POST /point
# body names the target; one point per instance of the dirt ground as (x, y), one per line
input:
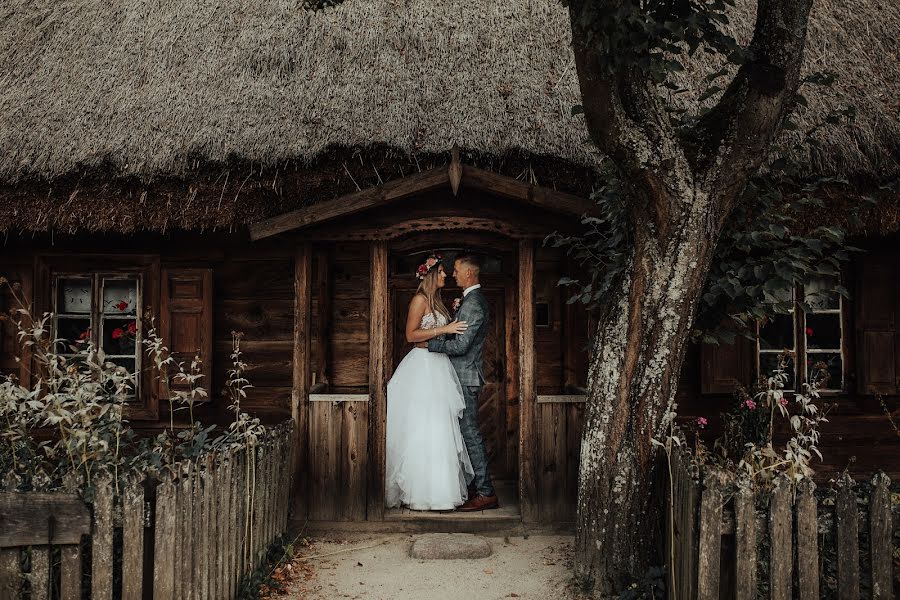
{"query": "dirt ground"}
(378, 567)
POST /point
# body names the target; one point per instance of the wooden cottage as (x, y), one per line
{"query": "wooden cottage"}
(240, 169)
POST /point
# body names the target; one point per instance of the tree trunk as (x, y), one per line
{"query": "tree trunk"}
(636, 358)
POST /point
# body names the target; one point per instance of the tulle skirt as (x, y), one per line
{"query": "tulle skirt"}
(428, 466)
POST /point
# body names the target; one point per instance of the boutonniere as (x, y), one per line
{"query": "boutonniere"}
(455, 305)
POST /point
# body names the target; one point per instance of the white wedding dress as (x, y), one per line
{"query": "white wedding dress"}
(428, 466)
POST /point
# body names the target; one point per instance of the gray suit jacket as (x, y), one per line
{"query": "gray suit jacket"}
(465, 350)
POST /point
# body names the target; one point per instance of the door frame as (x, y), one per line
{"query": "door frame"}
(519, 366)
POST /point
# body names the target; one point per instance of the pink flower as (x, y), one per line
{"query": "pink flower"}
(783, 401)
(702, 422)
(750, 404)
(456, 303)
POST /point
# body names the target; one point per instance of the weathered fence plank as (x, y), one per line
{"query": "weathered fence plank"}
(186, 532)
(224, 534)
(807, 542)
(178, 550)
(781, 560)
(133, 538)
(710, 535)
(745, 544)
(10, 573)
(40, 573)
(197, 531)
(880, 533)
(24, 518)
(163, 584)
(205, 539)
(70, 573)
(102, 541)
(847, 540)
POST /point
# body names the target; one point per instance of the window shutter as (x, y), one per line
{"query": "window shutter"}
(186, 321)
(10, 346)
(876, 325)
(724, 366)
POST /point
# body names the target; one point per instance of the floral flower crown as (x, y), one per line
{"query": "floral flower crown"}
(430, 263)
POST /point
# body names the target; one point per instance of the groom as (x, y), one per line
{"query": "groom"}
(465, 352)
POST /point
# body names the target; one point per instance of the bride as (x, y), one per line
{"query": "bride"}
(428, 466)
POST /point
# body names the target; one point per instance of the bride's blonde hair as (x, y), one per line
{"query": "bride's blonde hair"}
(428, 287)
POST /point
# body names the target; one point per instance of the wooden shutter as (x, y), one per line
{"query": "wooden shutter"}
(877, 297)
(186, 321)
(724, 366)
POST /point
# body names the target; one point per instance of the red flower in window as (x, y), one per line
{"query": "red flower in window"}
(85, 334)
(117, 333)
(122, 305)
(809, 332)
(132, 328)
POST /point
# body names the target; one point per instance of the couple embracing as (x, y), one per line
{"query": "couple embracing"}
(436, 458)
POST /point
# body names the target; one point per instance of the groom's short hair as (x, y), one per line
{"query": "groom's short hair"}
(472, 260)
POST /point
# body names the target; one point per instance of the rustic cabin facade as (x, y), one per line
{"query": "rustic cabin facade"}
(295, 212)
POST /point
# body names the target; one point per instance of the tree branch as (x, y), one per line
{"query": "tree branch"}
(625, 117)
(734, 137)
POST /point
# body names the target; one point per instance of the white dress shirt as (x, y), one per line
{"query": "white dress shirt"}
(470, 288)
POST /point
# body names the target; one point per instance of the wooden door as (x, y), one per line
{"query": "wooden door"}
(493, 400)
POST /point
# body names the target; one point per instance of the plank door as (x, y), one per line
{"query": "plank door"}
(493, 400)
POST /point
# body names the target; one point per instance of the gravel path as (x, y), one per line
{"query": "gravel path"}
(378, 567)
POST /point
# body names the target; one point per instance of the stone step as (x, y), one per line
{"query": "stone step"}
(433, 546)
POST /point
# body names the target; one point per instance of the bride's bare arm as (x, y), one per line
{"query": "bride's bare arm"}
(418, 306)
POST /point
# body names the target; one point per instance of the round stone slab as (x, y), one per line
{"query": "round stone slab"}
(449, 546)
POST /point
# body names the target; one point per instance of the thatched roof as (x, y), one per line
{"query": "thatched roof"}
(109, 97)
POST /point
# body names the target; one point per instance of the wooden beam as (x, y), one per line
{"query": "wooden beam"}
(455, 170)
(301, 376)
(374, 231)
(323, 291)
(527, 441)
(350, 204)
(379, 353)
(41, 518)
(509, 187)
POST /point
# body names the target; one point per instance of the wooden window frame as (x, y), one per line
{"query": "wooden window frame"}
(146, 268)
(798, 320)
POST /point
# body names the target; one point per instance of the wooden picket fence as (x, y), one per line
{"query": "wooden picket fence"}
(189, 532)
(717, 533)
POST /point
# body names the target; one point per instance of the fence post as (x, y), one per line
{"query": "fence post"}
(745, 542)
(70, 555)
(880, 534)
(163, 584)
(847, 540)
(807, 542)
(102, 540)
(133, 537)
(710, 535)
(781, 560)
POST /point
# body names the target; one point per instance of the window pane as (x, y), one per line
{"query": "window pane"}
(76, 331)
(73, 295)
(119, 336)
(768, 362)
(120, 296)
(778, 334)
(833, 365)
(818, 297)
(823, 331)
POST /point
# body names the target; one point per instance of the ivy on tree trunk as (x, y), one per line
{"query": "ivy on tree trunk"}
(682, 181)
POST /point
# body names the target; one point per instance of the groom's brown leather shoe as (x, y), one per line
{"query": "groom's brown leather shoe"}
(479, 503)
